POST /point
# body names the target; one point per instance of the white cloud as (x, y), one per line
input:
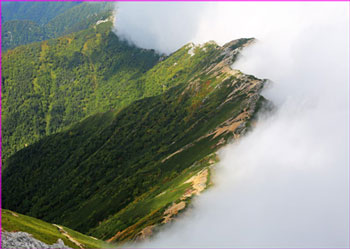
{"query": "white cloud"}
(163, 26)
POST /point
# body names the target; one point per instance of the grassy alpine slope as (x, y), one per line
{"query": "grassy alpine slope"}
(46, 232)
(119, 174)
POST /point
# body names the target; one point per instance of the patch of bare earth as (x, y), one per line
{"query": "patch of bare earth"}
(199, 182)
(14, 214)
(177, 152)
(145, 233)
(63, 232)
(173, 210)
(127, 233)
(231, 125)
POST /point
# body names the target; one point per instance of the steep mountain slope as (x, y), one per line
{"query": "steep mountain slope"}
(50, 85)
(117, 173)
(27, 22)
(35, 232)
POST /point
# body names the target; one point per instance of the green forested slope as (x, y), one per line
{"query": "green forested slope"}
(27, 22)
(103, 175)
(49, 85)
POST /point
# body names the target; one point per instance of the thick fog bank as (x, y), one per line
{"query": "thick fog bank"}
(286, 184)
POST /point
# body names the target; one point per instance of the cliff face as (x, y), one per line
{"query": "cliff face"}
(121, 174)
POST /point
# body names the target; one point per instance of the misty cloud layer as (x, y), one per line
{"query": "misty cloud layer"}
(286, 184)
(163, 26)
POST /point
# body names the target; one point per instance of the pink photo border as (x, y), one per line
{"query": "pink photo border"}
(143, 1)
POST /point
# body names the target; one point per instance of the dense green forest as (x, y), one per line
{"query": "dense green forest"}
(27, 22)
(103, 174)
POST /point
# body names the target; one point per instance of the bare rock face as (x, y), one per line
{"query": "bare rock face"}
(25, 240)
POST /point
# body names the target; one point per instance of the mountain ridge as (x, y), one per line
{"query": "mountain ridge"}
(125, 155)
(115, 141)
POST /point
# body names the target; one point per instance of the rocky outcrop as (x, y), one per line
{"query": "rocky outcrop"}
(25, 240)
